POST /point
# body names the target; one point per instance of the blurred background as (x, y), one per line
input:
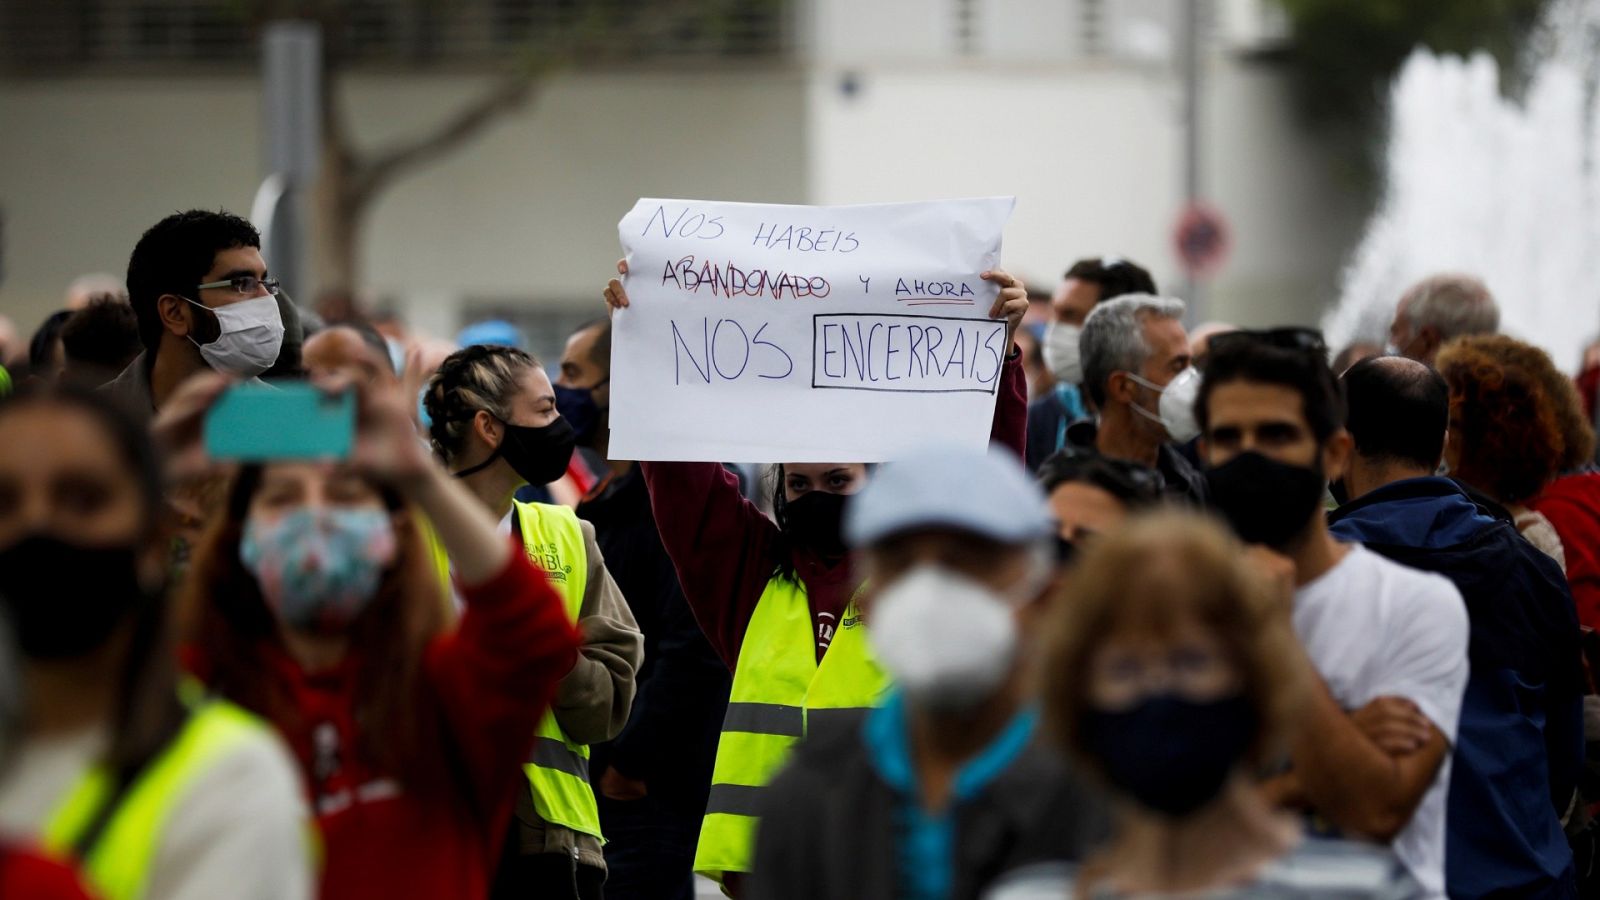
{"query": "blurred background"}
(450, 160)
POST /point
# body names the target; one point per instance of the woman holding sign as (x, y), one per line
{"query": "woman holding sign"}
(776, 599)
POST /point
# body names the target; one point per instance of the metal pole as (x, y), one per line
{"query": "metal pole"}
(1190, 73)
(291, 108)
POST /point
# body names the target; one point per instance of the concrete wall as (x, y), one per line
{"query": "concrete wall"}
(525, 214)
(85, 167)
(1092, 154)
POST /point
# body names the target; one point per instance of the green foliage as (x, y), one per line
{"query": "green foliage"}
(1345, 53)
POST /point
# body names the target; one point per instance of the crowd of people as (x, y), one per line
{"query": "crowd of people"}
(1221, 612)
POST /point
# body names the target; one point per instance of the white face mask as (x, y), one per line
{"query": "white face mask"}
(1061, 352)
(1176, 408)
(948, 641)
(252, 335)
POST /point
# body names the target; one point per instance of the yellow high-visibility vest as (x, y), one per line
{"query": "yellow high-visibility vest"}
(118, 865)
(779, 691)
(558, 770)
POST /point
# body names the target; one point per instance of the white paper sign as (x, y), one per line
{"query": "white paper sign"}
(769, 333)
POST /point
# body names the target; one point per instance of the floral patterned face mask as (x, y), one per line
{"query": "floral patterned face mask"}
(319, 568)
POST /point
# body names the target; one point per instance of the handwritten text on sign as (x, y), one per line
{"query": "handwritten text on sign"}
(766, 333)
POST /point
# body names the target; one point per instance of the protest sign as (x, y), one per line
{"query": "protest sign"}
(769, 333)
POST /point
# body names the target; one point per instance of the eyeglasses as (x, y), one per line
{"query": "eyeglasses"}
(1304, 339)
(244, 284)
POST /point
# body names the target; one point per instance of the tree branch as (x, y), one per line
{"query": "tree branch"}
(595, 38)
(372, 174)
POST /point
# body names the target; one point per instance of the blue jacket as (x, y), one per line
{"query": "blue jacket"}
(1520, 742)
(1048, 418)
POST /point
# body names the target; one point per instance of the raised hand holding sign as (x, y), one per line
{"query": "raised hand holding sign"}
(765, 333)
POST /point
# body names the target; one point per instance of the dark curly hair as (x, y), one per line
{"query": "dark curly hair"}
(480, 377)
(1505, 424)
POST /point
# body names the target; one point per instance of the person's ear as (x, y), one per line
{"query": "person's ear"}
(487, 428)
(175, 314)
(1336, 454)
(1120, 387)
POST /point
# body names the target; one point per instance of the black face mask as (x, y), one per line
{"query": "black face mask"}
(1266, 501)
(63, 599)
(816, 520)
(1170, 754)
(539, 454)
(577, 406)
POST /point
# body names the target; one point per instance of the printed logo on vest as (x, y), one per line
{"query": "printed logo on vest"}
(548, 558)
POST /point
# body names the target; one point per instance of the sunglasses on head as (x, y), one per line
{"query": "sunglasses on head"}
(1130, 479)
(1308, 340)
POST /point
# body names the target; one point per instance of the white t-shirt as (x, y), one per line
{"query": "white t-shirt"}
(241, 831)
(1374, 628)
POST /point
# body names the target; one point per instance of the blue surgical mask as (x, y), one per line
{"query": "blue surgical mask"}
(319, 569)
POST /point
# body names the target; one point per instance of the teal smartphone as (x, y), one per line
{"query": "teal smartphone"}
(285, 420)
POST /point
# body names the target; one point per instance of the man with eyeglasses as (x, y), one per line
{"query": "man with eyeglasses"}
(203, 299)
(1378, 634)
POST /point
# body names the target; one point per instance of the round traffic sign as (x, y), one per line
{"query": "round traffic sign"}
(1201, 239)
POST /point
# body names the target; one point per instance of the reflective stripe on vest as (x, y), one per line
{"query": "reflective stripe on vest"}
(779, 690)
(118, 866)
(558, 767)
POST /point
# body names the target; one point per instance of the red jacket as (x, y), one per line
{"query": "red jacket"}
(1572, 504)
(489, 681)
(725, 549)
(24, 874)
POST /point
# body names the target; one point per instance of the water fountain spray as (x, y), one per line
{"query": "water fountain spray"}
(1505, 189)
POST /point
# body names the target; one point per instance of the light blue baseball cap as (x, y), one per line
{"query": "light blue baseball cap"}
(985, 493)
(494, 332)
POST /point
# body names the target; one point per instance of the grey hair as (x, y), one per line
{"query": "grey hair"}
(1453, 304)
(1113, 338)
(481, 377)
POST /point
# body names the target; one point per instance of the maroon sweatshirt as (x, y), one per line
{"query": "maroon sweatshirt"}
(725, 549)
